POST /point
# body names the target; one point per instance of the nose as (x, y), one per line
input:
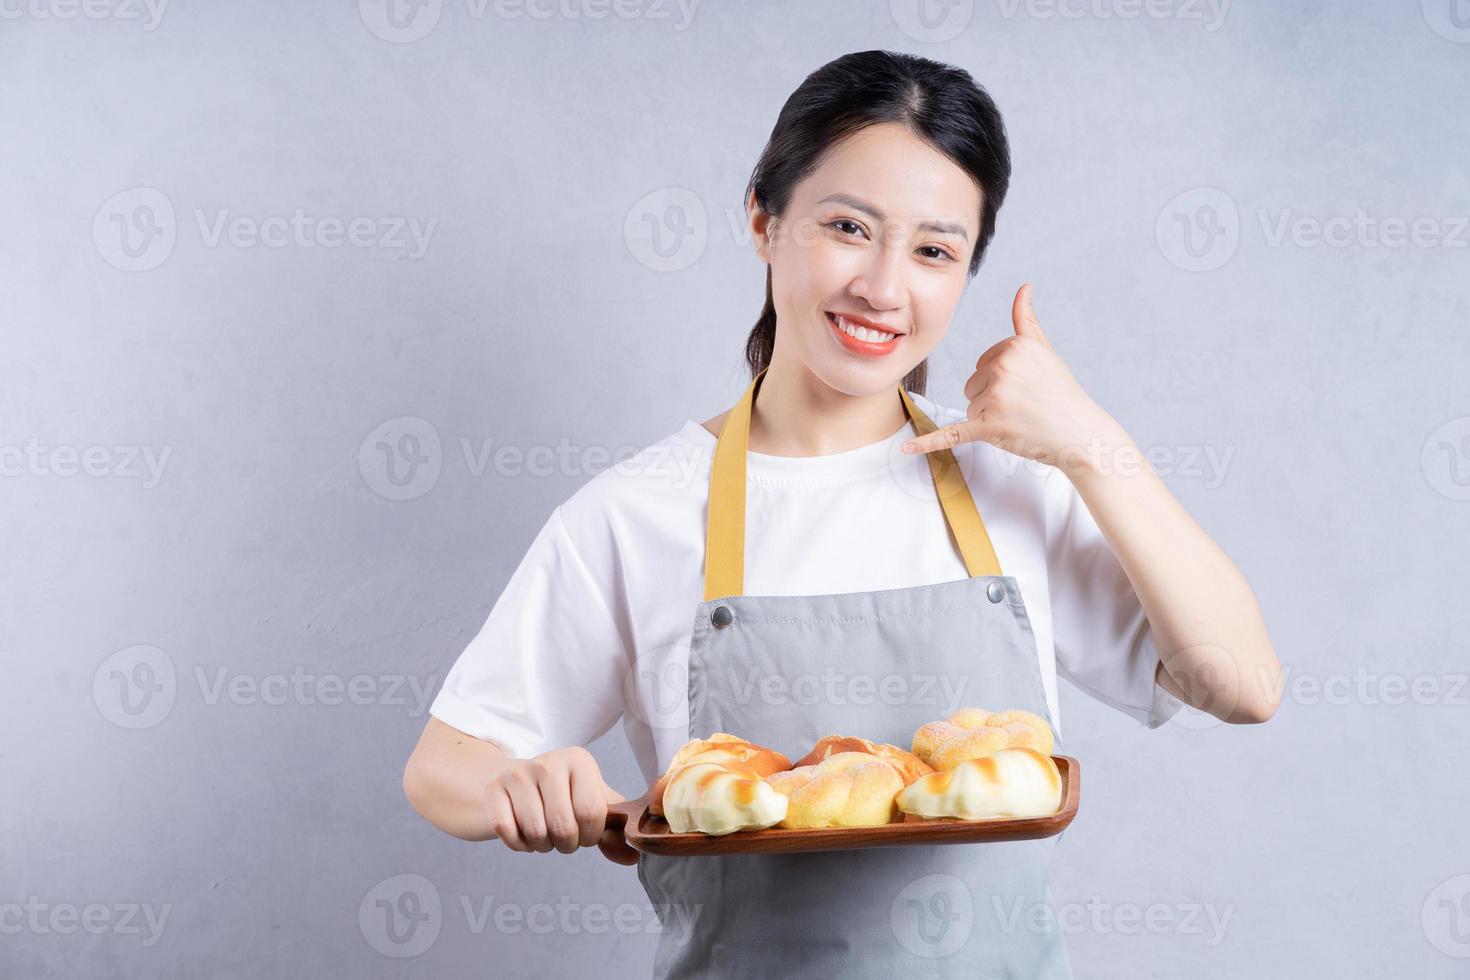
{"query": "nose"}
(882, 281)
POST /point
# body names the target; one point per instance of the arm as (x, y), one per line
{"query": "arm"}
(471, 789)
(1216, 654)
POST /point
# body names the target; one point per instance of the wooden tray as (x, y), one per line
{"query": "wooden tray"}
(651, 835)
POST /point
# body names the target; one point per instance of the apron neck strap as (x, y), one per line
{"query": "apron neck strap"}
(724, 563)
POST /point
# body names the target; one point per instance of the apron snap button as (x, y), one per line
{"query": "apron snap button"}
(994, 592)
(722, 617)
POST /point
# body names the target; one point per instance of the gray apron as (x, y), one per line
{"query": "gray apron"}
(784, 671)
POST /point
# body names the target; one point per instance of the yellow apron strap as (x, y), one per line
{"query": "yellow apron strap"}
(724, 545)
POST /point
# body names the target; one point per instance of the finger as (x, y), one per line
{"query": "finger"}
(1023, 316)
(993, 351)
(555, 786)
(589, 802)
(987, 360)
(945, 437)
(525, 798)
(503, 818)
(977, 384)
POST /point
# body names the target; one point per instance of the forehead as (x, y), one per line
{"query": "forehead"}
(888, 166)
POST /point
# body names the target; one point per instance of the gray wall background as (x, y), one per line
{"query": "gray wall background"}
(1246, 226)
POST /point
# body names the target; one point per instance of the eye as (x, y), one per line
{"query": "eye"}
(843, 224)
(942, 254)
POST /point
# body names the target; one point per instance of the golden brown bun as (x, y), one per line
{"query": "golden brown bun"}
(973, 733)
(849, 789)
(929, 737)
(969, 717)
(1010, 783)
(909, 766)
(969, 745)
(709, 799)
(722, 749)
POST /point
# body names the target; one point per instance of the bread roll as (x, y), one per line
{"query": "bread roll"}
(969, 745)
(710, 799)
(848, 789)
(722, 749)
(1007, 783)
(969, 717)
(909, 766)
(931, 736)
(973, 733)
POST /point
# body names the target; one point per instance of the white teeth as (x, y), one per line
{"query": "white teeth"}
(864, 333)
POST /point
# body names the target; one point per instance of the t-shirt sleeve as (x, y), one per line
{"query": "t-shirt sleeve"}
(1102, 638)
(547, 668)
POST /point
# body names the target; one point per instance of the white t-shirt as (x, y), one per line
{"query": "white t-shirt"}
(594, 624)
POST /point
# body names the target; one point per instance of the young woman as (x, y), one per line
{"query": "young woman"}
(855, 558)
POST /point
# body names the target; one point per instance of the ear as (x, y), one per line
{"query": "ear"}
(761, 228)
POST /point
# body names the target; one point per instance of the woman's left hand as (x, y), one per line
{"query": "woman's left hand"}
(1024, 399)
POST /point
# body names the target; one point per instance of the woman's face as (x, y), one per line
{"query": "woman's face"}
(876, 241)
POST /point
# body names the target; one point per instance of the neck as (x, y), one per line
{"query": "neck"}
(798, 414)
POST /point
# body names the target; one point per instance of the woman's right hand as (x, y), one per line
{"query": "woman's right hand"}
(555, 800)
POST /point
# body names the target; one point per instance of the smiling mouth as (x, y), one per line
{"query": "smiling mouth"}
(861, 339)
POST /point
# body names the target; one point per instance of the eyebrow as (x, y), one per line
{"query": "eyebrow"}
(858, 204)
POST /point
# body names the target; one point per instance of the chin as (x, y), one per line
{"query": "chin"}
(857, 379)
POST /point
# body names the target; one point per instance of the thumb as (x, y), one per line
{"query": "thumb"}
(1023, 316)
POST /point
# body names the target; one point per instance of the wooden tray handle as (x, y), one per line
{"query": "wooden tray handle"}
(619, 814)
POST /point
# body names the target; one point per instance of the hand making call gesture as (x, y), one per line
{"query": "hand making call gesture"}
(1024, 399)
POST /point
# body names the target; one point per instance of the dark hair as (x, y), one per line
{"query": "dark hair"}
(939, 103)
